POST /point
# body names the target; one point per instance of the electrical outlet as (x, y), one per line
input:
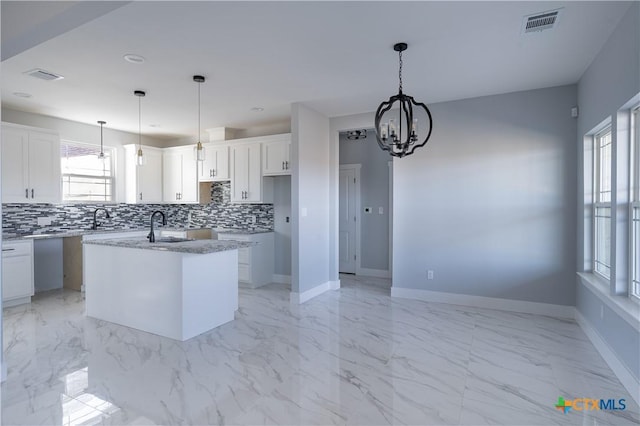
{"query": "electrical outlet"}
(429, 274)
(380, 210)
(287, 219)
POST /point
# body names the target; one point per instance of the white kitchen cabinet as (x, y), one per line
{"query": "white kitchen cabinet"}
(179, 175)
(143, 183)
(215, 166)
(17, 272)
(255, 263)
(276, 159)
(247, 184)
(30, 165)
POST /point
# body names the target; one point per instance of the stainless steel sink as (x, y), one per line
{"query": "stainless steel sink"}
(173, 240)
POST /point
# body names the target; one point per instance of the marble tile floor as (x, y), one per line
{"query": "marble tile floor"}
(352, 356)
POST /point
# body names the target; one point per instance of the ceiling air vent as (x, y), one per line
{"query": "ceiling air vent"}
(43, 74)
(540, 21)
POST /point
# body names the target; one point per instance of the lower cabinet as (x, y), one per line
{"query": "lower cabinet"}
(17, 272)
(255, 263)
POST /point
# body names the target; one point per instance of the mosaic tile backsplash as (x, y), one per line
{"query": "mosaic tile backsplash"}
(22, 219)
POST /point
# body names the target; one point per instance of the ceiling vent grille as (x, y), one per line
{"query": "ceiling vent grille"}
(540, 21)
(43, 74)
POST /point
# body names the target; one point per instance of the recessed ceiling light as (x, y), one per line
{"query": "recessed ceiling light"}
(257, 109)
(22, 94)
(133, 58)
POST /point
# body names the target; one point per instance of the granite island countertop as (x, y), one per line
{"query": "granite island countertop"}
(81, 232)
(188, 246)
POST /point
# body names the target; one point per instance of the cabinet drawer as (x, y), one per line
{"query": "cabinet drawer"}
(244, 255)
(244, 273)
(10, 249)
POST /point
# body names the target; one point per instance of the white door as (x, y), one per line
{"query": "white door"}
(347, 221)
(254, 173)
(239, 172)
(150, 178)
(189, 191)
(171, 176)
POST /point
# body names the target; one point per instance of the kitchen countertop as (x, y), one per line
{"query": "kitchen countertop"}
(190, 246)
(241, 231)
(81, 232)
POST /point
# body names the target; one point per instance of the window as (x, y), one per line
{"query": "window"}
(602, 203)
(85, 177)
(634, 238)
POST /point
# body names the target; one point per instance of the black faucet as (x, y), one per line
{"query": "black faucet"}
(151, 236)
(95, 213)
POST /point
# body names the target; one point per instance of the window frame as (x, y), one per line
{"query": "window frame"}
(598, 204)
(113, 176)
(634, 203)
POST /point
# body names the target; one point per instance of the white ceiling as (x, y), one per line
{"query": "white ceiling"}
(335, 57)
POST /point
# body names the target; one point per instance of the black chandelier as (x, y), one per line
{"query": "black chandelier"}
(400, 135)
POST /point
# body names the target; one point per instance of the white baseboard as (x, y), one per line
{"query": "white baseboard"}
(561, 311)
(283, 279)
(299, 298)
(631, 384)
(377, 273)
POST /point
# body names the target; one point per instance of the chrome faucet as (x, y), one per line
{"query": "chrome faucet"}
(152, 236)
(95, 224)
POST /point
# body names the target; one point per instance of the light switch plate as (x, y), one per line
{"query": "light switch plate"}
(45, 221)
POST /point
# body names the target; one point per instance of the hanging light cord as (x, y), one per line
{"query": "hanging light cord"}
(101, 150)
(139, 122)
(199, 83)
(400, 70)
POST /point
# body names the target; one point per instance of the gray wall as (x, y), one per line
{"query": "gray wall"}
(282, 228)
(310, 182)
(374, 193)
(489, 203)
(610, 82)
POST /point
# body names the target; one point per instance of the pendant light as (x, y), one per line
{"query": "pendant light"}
(101, 155)
(140, 159)
(199, 150)
(402, 137)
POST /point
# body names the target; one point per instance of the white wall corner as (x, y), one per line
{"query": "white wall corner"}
(631, 383)
(560, 311)
(299, 298)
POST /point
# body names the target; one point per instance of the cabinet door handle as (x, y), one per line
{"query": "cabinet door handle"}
(8, 249)
(210, 172)
(286, 165)
(214, 172)
(26, 193)
(283, 165)
(32, 192)
(141, 196)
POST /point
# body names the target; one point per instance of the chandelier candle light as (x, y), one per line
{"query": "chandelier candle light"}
(199, 151)
(101, 155)
(140, 160)
(400, 135)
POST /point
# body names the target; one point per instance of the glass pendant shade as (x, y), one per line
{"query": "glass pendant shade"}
(402, 124)
(199, 151)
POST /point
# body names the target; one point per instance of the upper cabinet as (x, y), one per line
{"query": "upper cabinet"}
(180, 175)
(30, 165)
(215, 166)
(247, 184)
(143, 183)
(276, 156)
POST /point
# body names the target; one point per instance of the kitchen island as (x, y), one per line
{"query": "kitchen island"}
(176, 289)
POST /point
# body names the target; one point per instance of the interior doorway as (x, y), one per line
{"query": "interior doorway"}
(364, 205)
